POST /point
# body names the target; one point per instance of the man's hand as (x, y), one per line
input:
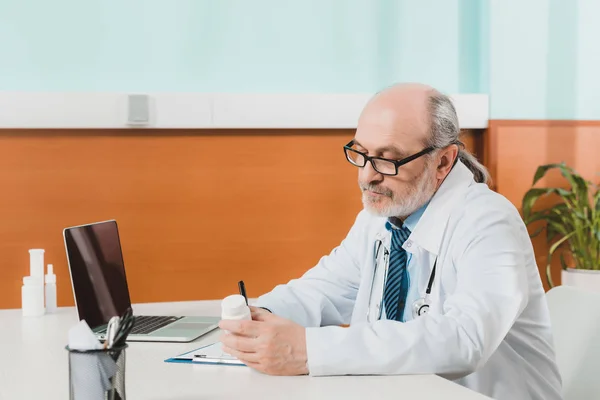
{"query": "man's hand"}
(269, 344)
(257, 310)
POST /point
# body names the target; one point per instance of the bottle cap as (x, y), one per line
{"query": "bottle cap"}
(50, 276)
(234, 305)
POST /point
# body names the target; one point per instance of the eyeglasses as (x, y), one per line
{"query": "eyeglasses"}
(382, 165)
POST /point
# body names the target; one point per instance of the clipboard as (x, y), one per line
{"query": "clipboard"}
(209, 354)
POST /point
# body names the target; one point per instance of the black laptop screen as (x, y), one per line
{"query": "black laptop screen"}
(97, 272)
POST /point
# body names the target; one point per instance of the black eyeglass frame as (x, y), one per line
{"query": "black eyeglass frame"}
(397, 163)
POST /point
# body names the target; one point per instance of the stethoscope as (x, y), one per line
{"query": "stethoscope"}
(420, 306)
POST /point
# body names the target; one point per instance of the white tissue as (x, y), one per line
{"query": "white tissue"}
(81, 337)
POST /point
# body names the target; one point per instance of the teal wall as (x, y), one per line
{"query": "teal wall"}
(587, 69)
(518, 47)
(545, 59)
(538, 59)
(237, 45)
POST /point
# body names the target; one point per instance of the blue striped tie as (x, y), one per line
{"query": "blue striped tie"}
(396, 286)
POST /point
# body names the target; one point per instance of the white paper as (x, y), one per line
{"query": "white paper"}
(210, 353)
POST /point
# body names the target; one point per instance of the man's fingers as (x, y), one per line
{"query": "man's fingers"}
(255, 309)
(242, 328)
(263, 316)
(242, 356)
(256, 312)
(239, 343)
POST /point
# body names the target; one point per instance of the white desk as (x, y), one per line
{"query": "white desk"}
(34, 365)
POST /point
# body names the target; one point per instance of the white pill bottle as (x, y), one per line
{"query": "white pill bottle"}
(32, 296)
(235, 307)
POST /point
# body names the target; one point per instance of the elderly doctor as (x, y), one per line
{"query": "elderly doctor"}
(436, 276)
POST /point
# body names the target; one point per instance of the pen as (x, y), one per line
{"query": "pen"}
(242, 288)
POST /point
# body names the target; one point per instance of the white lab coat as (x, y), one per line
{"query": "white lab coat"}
(488, 327)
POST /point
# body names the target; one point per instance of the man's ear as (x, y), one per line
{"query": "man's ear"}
(446, 159)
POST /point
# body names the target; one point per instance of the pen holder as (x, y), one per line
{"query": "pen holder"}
(97, 374)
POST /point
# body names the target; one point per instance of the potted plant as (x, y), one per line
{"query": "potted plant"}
(572, 226)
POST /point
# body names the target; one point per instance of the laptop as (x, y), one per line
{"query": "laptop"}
(100, 288)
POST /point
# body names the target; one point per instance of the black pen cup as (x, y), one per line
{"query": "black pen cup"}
(97, 374)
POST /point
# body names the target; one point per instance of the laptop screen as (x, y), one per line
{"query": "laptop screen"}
(97, 272)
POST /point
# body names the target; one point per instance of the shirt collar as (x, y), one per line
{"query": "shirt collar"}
(410, 222)
(413, 219)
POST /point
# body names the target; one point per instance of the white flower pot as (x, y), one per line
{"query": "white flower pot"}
(582, 278)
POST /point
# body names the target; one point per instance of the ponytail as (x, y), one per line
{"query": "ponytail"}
(445, 131)
(480, 173)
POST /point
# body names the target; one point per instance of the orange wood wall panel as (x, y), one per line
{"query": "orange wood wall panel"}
(473, 139)
(197, 210)
(514, 150)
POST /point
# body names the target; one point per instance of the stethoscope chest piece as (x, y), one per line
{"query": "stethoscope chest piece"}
(420, 307)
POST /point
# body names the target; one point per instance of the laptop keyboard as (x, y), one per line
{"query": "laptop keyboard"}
(144, 324)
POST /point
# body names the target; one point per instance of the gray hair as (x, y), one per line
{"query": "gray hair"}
(445, 131)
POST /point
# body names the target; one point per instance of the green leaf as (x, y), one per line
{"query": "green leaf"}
(579, 186)
(542, 169)
(564, 193)
(559, 243)
(560, 210)
(583, 258)
(544, 215)
(563, 263)
(558, 227)
(551, 233)
(549, 276)
(531, 197)
(549, 260)
(537, 232)
(555, 221)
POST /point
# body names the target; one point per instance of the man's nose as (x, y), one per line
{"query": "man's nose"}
(368, 174)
